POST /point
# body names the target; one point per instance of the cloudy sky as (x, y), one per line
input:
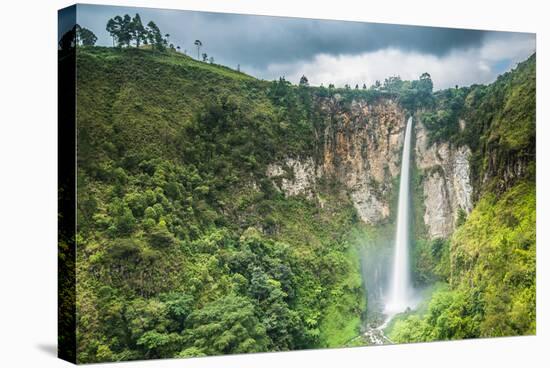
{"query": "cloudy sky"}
(326, 51)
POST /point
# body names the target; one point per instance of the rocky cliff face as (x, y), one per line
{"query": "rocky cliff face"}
(446, 183)
(361, 149)
(294, 177)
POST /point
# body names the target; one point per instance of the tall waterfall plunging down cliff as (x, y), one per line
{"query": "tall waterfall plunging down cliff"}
(400, 295)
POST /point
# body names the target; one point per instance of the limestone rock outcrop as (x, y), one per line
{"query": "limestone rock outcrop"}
(361, 149)
(446, 183)
(362, 146)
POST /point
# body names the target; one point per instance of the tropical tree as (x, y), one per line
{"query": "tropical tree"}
(198, 43)
(425, 83)
(114, 26)
(126, 30)
(120, 29)
(138, 31)
(155, 36)
(84, 36)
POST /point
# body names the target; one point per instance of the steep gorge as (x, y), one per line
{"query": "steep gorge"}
(257, 196)
(474, 192)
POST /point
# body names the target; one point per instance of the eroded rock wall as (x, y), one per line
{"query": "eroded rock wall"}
(361, 149)
(294, 176)
(447, 188)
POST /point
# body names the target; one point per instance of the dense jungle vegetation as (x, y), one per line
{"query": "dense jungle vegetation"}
(186, 248)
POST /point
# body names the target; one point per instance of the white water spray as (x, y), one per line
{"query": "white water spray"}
(400, 296)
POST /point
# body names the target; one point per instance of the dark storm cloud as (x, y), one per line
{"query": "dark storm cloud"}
(260, 40)
(285, 39)
(329, 51)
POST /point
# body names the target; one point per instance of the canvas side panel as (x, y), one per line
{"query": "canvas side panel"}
(66, 184)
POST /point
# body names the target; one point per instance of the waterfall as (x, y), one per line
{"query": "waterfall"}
(400, 293)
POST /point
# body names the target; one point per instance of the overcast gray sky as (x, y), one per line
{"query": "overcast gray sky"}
(329, 51)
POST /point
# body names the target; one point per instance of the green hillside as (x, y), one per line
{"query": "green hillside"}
(185, 248)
